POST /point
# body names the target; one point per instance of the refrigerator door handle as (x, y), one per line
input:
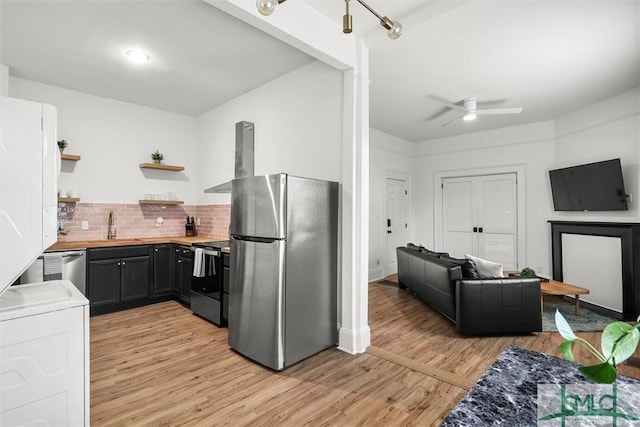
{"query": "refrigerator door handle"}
(254, 239)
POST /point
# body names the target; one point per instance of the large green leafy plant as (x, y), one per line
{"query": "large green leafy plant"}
(619, 341)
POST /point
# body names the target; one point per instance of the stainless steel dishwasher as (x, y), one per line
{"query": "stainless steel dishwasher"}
(74, 268)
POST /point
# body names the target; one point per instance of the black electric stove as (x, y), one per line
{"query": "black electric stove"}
(208, 297)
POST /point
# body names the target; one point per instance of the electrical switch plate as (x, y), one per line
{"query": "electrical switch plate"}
(85, 225)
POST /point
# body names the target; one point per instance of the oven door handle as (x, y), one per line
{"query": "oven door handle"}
(207, 251)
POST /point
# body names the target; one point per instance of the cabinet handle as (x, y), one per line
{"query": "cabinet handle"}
(179, 261)
(156, 249)
(118, 263)
(123, 263)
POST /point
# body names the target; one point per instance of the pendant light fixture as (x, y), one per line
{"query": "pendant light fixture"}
(394, 29)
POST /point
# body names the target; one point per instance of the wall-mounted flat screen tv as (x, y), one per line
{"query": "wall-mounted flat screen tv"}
(592, 187)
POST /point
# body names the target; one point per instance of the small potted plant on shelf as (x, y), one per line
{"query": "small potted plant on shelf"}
(528, 272)
(62, 144)
(157, 157)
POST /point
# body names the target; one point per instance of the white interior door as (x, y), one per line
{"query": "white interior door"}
(396, 221)
(480, 217)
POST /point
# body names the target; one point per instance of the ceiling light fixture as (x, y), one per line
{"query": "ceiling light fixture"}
(471, 115)
(394, 29)
(137, 56)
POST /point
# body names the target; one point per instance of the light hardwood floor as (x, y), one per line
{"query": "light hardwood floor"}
(162, 365)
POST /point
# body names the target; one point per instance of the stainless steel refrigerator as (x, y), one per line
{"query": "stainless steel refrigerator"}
(284, 268)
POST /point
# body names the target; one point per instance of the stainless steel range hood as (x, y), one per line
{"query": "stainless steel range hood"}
(244, 156)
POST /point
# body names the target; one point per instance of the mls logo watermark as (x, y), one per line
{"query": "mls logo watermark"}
(568, 405)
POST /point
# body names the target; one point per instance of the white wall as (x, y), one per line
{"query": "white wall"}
(113, 138)
(298, 129)
(605, 130)
(387, 154)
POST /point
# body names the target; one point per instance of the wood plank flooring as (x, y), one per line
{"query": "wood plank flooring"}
(161, 365)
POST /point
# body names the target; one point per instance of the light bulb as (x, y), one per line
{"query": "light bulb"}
(137, 56)
(395, 31)
(469, 116)
(266, 7)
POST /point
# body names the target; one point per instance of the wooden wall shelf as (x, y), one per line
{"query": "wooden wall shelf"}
(68, 199)
(161, 167)
(160, 202)
(72, 157)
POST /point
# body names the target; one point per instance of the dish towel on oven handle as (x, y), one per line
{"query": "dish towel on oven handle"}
(199, 263)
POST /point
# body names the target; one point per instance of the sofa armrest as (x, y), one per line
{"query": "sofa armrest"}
(498, 306)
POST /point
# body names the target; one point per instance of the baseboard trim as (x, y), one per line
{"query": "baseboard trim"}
(354, 342)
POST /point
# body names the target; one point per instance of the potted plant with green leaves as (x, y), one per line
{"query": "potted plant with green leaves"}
(62, 144)
(618, 343)
(157, 157)
(528, 272)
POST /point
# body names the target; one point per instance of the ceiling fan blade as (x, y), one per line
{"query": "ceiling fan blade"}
(437, 114)
(457, 107)
(451, 121)
(513, 110)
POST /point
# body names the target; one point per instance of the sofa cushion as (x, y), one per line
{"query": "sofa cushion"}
(414, 247)
(467, 266)
(486, 268)
(432, 253)
(426, 251)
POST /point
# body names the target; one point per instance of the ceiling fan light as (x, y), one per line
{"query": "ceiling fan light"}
(395, 31)
(266, 7)
(471, 115)
(137, 56)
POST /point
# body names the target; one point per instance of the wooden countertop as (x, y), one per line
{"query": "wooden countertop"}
(180, 240)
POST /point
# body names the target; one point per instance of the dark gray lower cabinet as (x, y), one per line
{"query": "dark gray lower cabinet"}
(118, 278)
(130, 276)
(104, 282)
(163, 261)
(183, 273)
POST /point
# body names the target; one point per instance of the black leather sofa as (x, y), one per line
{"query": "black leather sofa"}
(477, 306)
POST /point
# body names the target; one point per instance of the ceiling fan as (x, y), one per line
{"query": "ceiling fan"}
(470, 108)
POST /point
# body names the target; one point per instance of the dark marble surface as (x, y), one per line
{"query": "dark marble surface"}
(506, 395)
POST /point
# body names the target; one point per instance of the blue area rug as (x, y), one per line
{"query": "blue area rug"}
(588, 321)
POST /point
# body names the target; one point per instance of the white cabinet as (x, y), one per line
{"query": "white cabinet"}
(29, 164)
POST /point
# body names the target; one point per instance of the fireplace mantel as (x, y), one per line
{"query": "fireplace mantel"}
(629, 234)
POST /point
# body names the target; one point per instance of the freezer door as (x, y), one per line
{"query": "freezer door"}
(256, 301)
(258, 206)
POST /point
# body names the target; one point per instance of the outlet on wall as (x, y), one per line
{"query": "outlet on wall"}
(85, 225)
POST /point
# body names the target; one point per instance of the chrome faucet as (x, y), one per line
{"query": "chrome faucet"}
(111, 234)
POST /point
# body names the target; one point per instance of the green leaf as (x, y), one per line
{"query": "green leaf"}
(604, 373)
(563, 327)
(619, 340)
(566, 349)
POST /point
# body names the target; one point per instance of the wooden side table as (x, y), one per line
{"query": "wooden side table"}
(553, 287)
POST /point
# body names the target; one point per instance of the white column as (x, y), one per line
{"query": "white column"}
(355, 335)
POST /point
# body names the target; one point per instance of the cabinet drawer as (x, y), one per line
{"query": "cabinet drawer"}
(119, 252)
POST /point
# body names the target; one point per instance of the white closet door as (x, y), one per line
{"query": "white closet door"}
(498, 206)
(479, 217)
(459, 217)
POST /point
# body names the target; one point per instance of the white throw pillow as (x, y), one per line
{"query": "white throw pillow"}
(485, 268)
